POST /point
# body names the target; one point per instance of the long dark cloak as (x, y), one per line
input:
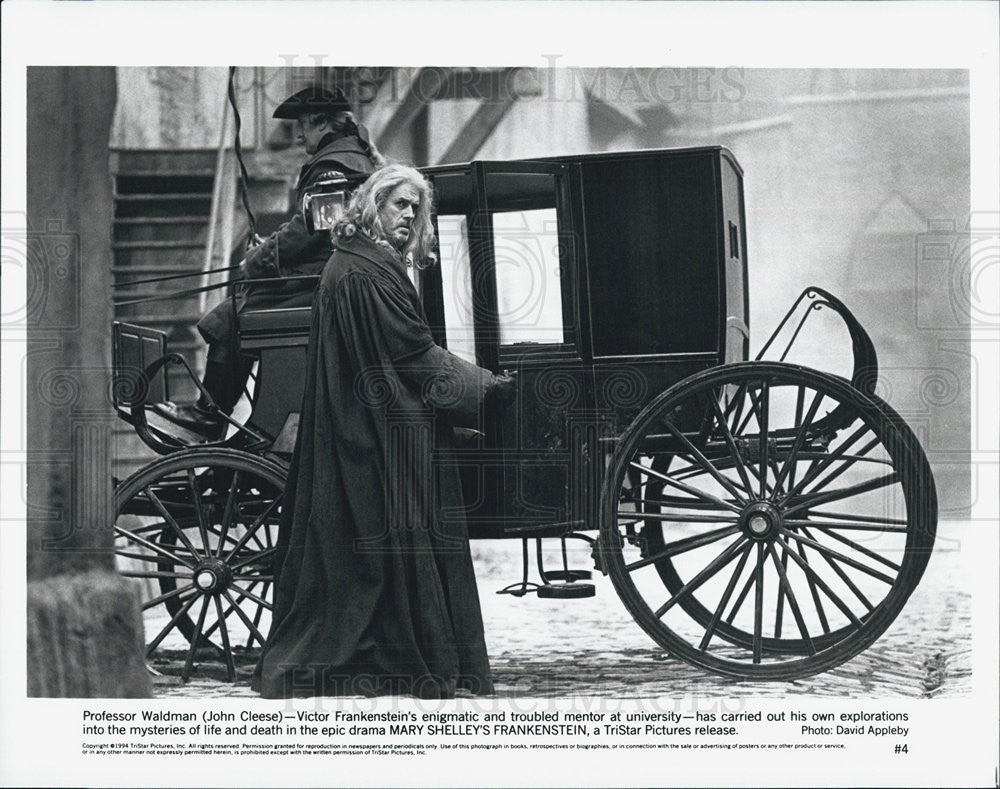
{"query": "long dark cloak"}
(375, 591)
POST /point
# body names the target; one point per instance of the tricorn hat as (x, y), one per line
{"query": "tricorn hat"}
(312, 99)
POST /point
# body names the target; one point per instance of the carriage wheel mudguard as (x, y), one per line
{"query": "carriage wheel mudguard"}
(864, 376)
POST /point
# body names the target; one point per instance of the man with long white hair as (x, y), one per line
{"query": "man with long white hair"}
(375, 591)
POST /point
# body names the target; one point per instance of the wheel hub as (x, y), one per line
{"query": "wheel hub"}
(760, 521)
(212, 576)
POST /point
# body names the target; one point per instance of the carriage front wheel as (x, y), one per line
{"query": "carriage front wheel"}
(765, 520)
(197, 531)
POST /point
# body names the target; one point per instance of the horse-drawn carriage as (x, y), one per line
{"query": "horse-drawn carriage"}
(758, 519)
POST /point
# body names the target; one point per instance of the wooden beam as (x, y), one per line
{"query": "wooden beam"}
(477, 130)
(424, 89)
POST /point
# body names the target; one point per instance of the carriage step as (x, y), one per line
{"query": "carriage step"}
(568, 575)
(567, 591)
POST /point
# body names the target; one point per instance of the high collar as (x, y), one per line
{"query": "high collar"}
(382, 254)
(348, 146)
(344, 153)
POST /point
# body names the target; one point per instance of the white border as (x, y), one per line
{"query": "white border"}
(961, 740)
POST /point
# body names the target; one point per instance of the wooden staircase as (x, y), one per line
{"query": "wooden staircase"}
(162, 205)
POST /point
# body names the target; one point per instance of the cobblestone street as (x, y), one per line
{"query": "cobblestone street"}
(592, 647)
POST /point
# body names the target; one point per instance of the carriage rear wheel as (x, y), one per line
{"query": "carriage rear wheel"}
(752, 537)
(197, 531)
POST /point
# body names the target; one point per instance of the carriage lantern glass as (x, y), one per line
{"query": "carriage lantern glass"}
(323, 204)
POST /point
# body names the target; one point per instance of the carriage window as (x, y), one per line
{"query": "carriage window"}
(456, 286)
(529, 290)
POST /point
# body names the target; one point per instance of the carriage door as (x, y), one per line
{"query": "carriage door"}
(525, 250)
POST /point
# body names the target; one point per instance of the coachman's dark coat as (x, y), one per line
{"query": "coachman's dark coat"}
(376, 592)
(291, 250)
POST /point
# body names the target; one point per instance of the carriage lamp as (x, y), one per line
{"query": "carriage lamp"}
(323, 204)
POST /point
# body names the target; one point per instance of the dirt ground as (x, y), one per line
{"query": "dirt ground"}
(592, 647)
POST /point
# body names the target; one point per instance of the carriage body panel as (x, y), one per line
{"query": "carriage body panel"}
(602, 279)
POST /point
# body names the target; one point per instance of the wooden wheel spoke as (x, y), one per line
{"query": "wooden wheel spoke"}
(156, 526)
(196, 639)
(724, 601)
(250, 596)
(848, 516)
(819, 465)
(682, 502)
(827, 551)
(858, 547)
(254, 526)
(738, 603)
(255, 557)
(680, 546)
(859, 459)
(731, 409)
(757, 407)
(196, 498)
(182, 611)
(731, 444)
(256, 617)
(227, 514)
(748, 395)
(153, 574)
(702, 461)
(210, 631)
(780, 611)
(224, 631)
(800, 397)
(821, 584)
(223, 538)
(659, 517)
(246, 620)
(694, 470)
(709, 570)
(842, 574)
(758, 605)
(800, 436)
(762, 417)
(155, 547)
(814, 591)
(706, 497)
(792, 602)
(167, 596)
(846, 462)
(808, 502)
(256, 540)
(848, 526)
(148, 492)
